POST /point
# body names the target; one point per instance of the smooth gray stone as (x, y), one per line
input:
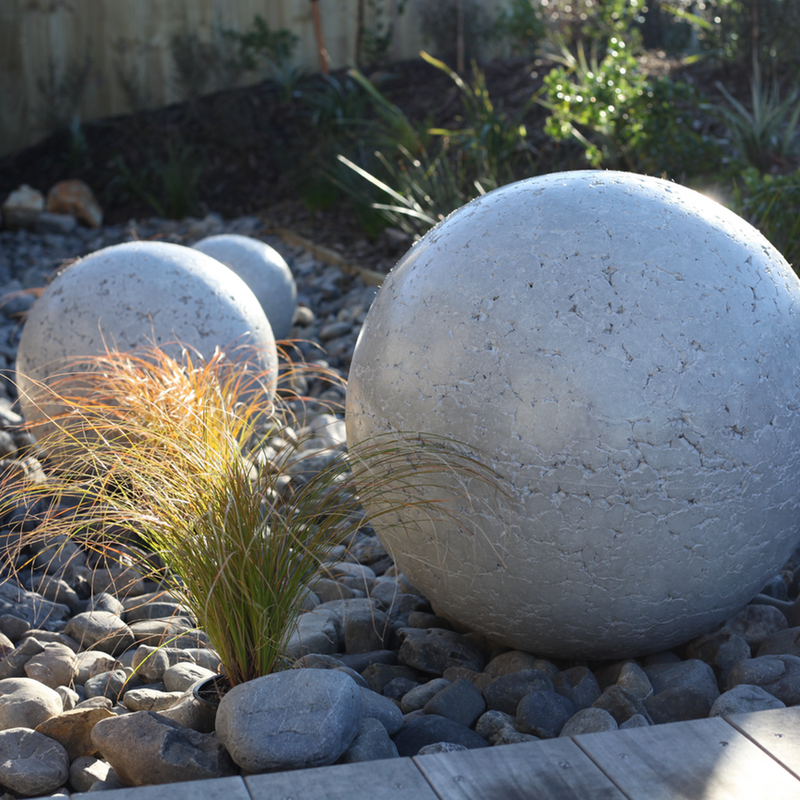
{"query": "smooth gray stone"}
(441, 747)
(589, 720)
(381, 708)
(661, 657)
(180, 677)
(150, 663)
(32, 763)
(744, 699)
(371, 744)
(378, 675)
(415, 699)
(55, 666)
(86, 771)
(620, 703)
(428, 729)
(147, 748)
(543, 714)
(778, 674)
(24, 703)
(754, 623)
(513, 661)
(434, 650)
(317, 631)
(58, 591)
(404, 605)
(13, 665)
(693, 672)
(398, 688)
(112, 684)
(633, 678)
(579, 685)
(636, 721)
(103, 601)
(678, 704)
(785, 642)
(31, 607)
(505, 691)
(480, 680)
(460, 701)
(297, 718)
(608, 673)
(721, 650)
(101, 630)
(494, 724)
(366, 631)
(360, 661)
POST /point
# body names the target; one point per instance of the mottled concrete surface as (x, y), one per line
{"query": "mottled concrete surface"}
(626, 352)
(134, 295)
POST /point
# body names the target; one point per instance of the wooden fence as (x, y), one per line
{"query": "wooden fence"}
(63, 60)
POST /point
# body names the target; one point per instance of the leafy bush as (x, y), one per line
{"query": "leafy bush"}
(578, 23)
(624, 119)
(772, 204)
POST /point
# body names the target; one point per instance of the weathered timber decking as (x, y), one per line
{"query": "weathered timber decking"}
(746, 757)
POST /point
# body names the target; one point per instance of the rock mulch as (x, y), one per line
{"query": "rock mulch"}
(91, 697)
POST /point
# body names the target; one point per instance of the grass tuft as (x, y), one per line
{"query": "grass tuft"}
(178, 468)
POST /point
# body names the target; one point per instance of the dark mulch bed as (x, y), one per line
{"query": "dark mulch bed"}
(256, 149)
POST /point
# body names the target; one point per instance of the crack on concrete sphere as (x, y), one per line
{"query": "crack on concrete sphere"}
(625, 352)
(136, 295)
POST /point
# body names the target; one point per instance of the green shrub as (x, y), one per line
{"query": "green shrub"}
(772, 204)
(624, 119)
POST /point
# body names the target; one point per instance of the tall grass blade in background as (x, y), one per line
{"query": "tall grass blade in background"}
(176, 460)
(764, 135)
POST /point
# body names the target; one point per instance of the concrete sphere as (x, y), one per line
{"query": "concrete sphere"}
(624, 352)
(136, 295)
(263, 269)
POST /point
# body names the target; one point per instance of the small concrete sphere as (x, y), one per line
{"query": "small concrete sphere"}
(263, 269)
(137, 295)
(624, 353)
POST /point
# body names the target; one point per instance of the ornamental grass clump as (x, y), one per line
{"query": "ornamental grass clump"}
(181, 465)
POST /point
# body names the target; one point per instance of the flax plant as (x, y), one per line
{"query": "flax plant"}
(179, 458)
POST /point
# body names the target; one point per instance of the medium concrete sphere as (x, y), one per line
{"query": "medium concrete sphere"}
(263, 269)
(624, 352)
(137, 295)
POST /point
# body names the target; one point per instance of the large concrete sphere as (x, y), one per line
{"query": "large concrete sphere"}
(136, 295)
(625, 353)
(263, 269)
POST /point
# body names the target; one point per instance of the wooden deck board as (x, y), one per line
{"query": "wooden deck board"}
(777, 731)
(704, 759)
(392, 779)
(556, 769)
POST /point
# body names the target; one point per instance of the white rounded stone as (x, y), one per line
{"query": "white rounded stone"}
(623, 351)
(263, 269)
(136, 295)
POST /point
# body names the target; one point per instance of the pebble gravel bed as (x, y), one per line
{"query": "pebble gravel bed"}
(84, 669)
